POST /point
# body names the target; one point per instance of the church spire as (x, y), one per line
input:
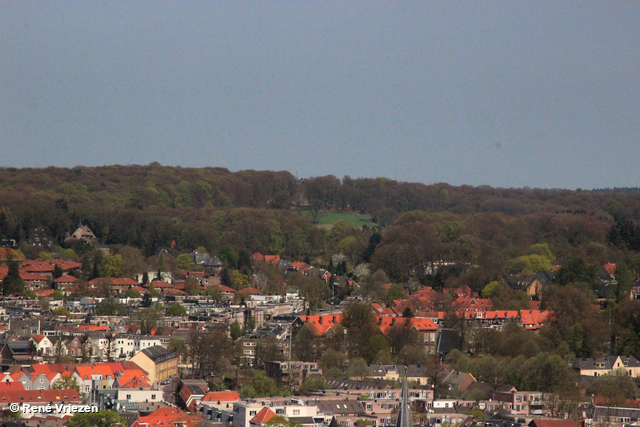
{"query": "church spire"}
(404, 411)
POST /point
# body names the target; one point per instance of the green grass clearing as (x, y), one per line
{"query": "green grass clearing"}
(327, 219)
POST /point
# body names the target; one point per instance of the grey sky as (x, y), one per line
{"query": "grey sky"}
(509, 94)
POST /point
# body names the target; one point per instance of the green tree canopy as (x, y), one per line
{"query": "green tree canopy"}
(132, 293)
(113, 266)
(281, 421)
(235, 330)
(176, 309)
(395, 291)
(148, 319)
(45, 256)
(65, 382)
(184, 262)
(110, 307)
(97, 419)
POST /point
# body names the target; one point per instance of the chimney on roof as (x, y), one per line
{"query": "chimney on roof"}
(320, 320)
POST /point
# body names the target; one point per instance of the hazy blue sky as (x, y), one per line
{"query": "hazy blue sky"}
(509, 94)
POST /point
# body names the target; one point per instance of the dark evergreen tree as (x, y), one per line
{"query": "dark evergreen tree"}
(244, 263)
(12, 282)
(225, 277)
(57, 271)
(331, 268)
(146, 300)
(97, 261)
(86, 266)
(625, 234)
(374, 240)
(145, 278)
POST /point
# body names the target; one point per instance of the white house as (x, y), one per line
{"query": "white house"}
(43, 344)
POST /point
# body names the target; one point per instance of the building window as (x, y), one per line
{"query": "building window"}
(128, 397)
(296, 412)
(153, 396)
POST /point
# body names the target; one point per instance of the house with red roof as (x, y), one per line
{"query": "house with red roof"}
(11, 386)
(34, 281)
(262, 417)
(228, 294)
(132, 381)
(35, 380)
(44, 346)
(425, 327)
(47, 268)
(8, 253)
(533, 319)
(257, 257)
(472, 304)
(39, 397)
(168, 417)
(272, 259)
(221, 398)
(65, 284)
(321, 324)
(300, 267)
(250, 290)
(191, 395)
(269, 259)
(116, 284)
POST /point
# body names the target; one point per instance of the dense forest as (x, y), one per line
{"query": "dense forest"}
(495, 230)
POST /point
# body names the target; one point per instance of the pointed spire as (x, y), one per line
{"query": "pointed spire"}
(404, 411)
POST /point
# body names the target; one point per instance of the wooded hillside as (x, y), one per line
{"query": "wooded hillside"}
(153, 206)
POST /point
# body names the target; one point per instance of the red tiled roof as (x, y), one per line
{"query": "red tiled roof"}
(194, 273)
(257, 257)
(224, 288)
(167, 417)
(49, 266)
(32, 396)
(250, 290)
(66, 279)
(387, 323)
(38, 338)
(263, 416)
(33, 276)
(11, 386)
(272, 259)
(610, 268)
(124, 281)
(322, 323)
(221, 396)
(129, 381)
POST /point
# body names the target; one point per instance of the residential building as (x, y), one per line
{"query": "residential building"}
(159, 362)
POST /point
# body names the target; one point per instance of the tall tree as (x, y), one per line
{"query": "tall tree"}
(12, 282)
